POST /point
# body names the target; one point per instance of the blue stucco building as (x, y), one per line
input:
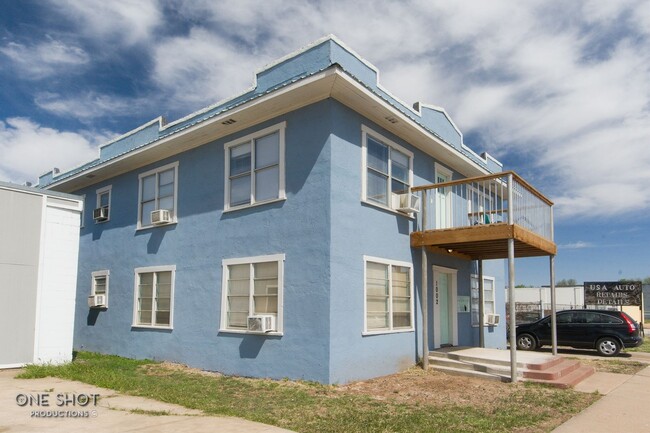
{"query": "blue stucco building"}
(268, 236)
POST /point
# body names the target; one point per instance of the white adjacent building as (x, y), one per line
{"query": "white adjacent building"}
(39, 246)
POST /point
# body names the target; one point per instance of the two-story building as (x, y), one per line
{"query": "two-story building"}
(286, 232)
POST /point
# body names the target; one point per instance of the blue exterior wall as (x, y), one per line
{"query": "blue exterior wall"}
(298, 227)
(323, 228)
(360, 229)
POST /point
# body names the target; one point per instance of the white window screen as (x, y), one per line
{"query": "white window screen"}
(252, 289)
(388, 297)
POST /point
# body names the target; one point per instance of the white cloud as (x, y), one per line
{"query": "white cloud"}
(126, 21)
(567, 84)
(44, 59)
(29, 149)
(89, 105)
(576, 245)
(202, 68)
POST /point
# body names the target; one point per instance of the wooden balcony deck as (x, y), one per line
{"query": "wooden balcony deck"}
(482, 214)
(484, 242)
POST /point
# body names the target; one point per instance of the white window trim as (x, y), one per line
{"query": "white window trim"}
(279, 322)
(107, 189)
(365, 131)
(280, 128)
(173, 165)
(149, 269)
(485, 277)
(94, 275)
(389, 263)
(83, 211)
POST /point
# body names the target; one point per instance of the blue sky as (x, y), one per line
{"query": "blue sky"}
(558, 91)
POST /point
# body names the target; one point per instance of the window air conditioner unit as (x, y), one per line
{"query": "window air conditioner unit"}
(492, 319)
(407, 202)
(97, 301)
(100, 214)
(261, 323)
(160, 217)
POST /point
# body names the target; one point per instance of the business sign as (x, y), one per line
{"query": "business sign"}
(613, 293)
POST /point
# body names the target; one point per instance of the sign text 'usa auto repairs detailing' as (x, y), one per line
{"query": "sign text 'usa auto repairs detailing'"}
(613, 293)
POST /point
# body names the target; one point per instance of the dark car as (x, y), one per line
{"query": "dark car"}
(606, 331)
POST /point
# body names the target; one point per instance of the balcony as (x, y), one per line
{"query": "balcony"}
(474, 218)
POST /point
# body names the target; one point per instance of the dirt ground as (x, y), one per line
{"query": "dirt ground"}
(412, 386)
(427, 388)
(415, 386)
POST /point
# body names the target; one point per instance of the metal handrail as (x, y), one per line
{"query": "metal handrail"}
(497, 198)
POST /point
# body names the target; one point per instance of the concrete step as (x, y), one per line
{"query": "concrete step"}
(472, 366)
(547, 362)
(494, 365)
(569, 380)
(555, 371)
(469, 373)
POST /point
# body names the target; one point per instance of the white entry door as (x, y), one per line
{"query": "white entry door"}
(445, 307)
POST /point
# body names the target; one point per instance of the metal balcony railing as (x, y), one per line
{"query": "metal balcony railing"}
(502, 198)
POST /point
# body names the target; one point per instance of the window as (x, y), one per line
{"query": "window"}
(488, 298)
(252, 286)
(389, 296)
(387, 169)
(154, 297)
(99, 285)
(255, 168)
(104, 202)
(604, 318)
(158, 190)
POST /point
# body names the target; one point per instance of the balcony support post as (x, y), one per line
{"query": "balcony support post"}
(481, 306)
(553, 307)
(425, 289)
(511, 285)
(512, 311)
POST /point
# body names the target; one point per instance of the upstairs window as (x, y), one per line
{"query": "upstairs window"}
(102, 212)
(387, 169)
(255, 168)
(158, 191)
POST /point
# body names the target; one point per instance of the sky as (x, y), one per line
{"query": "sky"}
(557, 91)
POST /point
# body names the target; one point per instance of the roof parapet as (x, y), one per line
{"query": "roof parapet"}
(324, 53)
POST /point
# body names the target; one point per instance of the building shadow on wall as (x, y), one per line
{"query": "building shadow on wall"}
(93, 314)
(251, 345)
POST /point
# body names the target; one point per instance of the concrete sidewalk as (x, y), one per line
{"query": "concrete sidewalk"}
(622, 408)
(57, 405)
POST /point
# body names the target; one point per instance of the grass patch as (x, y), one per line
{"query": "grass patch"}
(645, 347)
(311, 407)
(614, 366)
(150, 412)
